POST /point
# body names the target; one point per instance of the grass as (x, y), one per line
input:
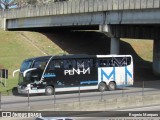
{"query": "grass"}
(143, 48)
(17, 46)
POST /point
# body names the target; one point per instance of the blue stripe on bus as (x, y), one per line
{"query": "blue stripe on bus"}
(108, 76)
(49, 75)
(122, 86)
(127, 72)
(89, 82)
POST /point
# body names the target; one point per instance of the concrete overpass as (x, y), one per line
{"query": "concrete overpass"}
(115, 18)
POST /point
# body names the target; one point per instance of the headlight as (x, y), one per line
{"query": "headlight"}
(28, 85)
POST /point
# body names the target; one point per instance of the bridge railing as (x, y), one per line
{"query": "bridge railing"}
(78, 6)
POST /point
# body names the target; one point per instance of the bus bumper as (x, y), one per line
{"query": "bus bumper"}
(29, 91)
(22, 90)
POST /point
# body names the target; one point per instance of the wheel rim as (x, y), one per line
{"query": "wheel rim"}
(112, 86)
(102, 87)
(49, 90)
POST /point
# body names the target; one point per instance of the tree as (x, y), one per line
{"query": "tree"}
(6, 4)
(22, 3)
(1, 7)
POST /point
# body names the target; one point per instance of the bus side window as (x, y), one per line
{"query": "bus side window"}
(128, 60)
(58, 64)
(66, 64)
(40, 65)
(103, 63)
(86, 63)
(51, 65)
(110, 63)
(90, 62)
(96, 63)
(121, 61)
(69, 64)
(74, 65)
(80, 63)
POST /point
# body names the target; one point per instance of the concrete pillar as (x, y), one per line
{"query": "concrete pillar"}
(3, 23)
(114, 45)
(156, 57)
(106, 29)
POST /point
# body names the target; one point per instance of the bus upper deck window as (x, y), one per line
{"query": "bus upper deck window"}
(58, 64)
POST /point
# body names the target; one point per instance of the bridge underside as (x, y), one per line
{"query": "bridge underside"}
(58, 29)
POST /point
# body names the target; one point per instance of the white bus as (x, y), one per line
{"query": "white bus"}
(49, 74)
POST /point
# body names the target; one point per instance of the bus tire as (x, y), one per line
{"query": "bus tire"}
(49, 90)
(112, 86)
(102, 87)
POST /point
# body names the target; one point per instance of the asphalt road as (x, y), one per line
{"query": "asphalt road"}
(140, 88)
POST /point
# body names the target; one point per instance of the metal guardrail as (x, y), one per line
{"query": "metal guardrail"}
(78, 6)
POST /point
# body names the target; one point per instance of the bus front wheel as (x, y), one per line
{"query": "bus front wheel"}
(102, 87)
(111, 86)
(49, 90)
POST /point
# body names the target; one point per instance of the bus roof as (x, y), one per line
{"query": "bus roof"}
(39, 58)
(70, 56)
(73, 56)
(113, 55)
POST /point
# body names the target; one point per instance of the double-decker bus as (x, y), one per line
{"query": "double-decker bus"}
(49, 74)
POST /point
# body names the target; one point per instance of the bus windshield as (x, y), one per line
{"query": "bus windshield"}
(39, 64)
(26, 65)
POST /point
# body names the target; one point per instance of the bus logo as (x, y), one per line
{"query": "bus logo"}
(80, 70)
(77, 71)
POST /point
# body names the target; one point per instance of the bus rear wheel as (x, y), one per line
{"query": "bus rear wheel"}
(102, 87)
(49, 90)
(111, 86)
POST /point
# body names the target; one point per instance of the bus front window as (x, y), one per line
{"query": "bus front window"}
(25, 65)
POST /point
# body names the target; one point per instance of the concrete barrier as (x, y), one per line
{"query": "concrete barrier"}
(79, 6)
